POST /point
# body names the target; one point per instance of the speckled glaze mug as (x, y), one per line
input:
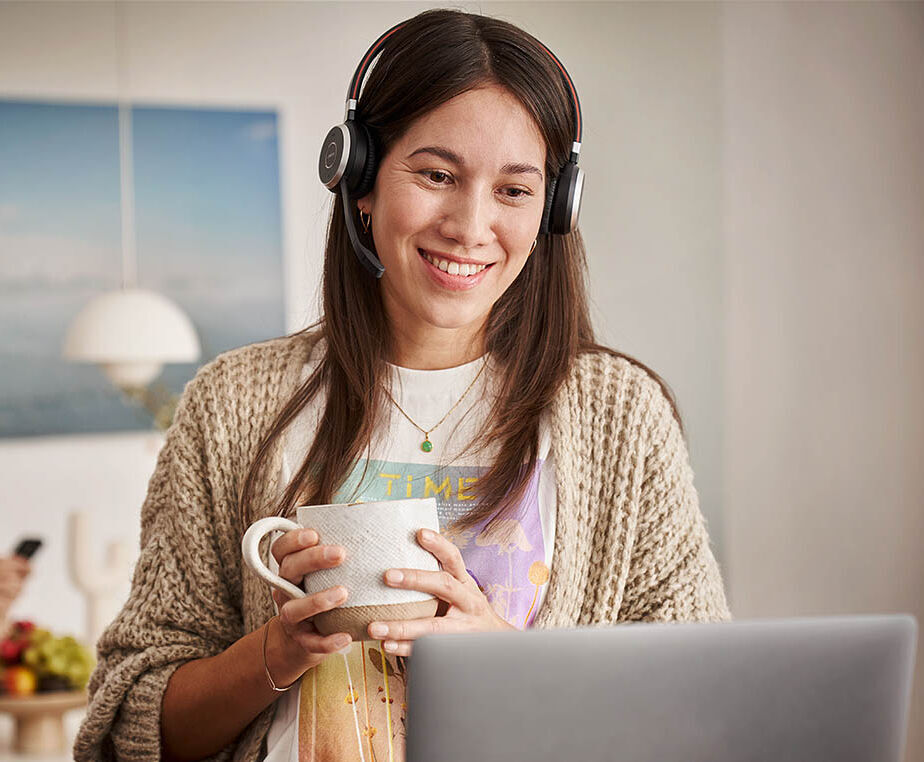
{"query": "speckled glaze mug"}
(376, 536)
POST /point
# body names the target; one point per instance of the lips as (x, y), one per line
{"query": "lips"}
(447, 280)
(453, 265)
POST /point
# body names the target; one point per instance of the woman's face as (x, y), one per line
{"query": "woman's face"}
(463, 189)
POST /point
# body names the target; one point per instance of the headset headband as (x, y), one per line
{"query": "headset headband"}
(359, 75)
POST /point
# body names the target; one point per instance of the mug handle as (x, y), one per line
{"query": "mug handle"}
(250, 547)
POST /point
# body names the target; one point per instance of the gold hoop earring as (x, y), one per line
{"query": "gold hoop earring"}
(532, 247)
(365, 218)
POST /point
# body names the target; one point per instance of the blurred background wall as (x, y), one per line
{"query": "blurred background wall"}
(754, 220)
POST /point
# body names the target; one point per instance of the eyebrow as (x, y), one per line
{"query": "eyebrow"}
(513, 168)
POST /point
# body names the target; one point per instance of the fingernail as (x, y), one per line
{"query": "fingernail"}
(343, 640)
(394, 576)
(337, 594)
(427, 534)
(332, 554)
(390, 645)
(309, 537)
(378, 630)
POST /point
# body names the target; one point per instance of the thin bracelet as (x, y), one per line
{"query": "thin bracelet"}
(265, 668)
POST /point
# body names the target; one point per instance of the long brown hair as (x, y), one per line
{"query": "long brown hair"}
(534, 331)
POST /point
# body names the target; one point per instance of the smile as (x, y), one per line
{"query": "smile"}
(453, 276)
(453, 268)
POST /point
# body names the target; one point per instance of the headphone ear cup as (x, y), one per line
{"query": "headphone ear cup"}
(566, 202)
(549, 201)
(356, 156)
(367, 172)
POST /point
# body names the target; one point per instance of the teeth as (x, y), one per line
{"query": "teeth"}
(454, 268)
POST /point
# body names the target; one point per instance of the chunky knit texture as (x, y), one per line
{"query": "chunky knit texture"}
(631, 543)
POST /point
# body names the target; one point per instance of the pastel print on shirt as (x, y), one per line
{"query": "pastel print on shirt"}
(352, 706)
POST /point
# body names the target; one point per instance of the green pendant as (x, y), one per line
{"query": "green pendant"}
(426, 445)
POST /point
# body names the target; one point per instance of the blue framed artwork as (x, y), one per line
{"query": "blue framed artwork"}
(208, 236)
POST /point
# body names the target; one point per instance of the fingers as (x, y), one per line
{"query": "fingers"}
(296, 610)
(13, 573)
(399, 647)
(280, 598)
(14, 568)
(410, 629)
(446, 552)
(309, 641)
(292, 541)
(441, 584)
(323, 644)
(296, 565)
(297, 552)
(288, 655)
(295, 617)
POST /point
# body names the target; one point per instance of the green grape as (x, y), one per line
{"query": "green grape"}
(31, 657)
(57, 665)
(63, 657)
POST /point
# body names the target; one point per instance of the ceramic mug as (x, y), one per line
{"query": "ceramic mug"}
(376, 536)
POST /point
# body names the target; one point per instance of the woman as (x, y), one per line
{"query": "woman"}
(467, 371)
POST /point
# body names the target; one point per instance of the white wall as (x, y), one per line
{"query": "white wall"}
(824, 253)
(753, 219)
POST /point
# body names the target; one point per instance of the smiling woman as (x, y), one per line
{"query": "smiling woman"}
(455, 359)
(455, 210)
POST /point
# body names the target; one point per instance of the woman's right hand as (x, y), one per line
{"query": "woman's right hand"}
(298, 646)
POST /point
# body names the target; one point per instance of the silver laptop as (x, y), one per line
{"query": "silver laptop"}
(814, 689)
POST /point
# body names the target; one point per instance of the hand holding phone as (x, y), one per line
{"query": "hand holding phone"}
(13, 572)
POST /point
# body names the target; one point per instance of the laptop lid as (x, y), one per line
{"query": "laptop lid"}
(823, 688)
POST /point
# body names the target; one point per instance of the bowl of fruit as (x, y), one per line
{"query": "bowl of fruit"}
(42, 676)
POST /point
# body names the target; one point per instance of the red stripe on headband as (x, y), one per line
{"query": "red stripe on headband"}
(567, 77)
(372, 51)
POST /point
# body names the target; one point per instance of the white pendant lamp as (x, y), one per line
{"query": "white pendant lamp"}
(131, 332)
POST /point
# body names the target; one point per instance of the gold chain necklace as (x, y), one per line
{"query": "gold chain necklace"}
(427, 445)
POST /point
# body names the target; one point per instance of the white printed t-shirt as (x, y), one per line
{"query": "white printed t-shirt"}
(351, 707)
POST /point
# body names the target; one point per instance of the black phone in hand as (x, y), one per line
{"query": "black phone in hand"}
(27, 548)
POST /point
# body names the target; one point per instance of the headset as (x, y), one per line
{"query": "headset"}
(349, 161)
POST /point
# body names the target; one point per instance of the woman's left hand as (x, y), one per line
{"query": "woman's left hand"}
(469, 610)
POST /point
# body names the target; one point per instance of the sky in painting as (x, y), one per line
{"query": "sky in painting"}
(208, 236)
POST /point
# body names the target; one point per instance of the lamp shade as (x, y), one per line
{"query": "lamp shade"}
(131, 333)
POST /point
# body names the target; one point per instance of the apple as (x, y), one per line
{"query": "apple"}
(11, 650)
(19, 681)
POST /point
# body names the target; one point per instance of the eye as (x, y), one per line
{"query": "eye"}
(518, 193)
(435, 176)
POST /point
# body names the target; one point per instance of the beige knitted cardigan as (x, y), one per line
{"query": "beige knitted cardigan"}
(630, 544)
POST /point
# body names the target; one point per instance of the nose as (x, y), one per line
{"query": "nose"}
(469, 216)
